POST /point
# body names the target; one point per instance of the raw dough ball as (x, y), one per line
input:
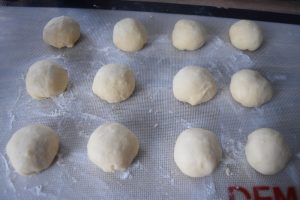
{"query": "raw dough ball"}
(194, 85)
(249, 88)
(129, 35)
(112, 147)
(114, 83)
(32, 149)
(46, 79)
(266, 151)
(197, 152)
(188, 35)
(245, 35)
(61, 32)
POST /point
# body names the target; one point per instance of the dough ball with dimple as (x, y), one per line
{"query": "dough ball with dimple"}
(197, 152)
(194, 85)
(46, 79)
(267, 151)
(250, 88)
(114, 83)
(61, 32)
(188, 35)
(32, 149)
(129, 35)
(245, 35)
(112, 147)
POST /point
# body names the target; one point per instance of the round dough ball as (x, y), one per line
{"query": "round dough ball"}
(266, 151)
(197, 152)
(188, 35)
(32, 149)
(112, 147)
(194, 85)
(245, 35)
(250, 89)
(61, 32)
(46, 79)
(114, 83)
(129, 35)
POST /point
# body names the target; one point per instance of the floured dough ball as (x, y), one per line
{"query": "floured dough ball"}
(245, 35)
(197, 152)
(112, 147)
(114, 83)
(266, 151)
(194, 85)
(129, 35)
(250, 89)
(188, 35)
(61, 32)
(46, 79)
(32, 149)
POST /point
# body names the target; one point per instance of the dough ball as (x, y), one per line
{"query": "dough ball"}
(197, 152)
(129, 35)
(188, 35)
(112, 147)
(61, 32)
(245, 35)
(250, 89)
(194, 85)
(114, 83)
(266, 151)
(46, 79)
(32, 149)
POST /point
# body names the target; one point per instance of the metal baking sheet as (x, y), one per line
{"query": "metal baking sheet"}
(152, 112)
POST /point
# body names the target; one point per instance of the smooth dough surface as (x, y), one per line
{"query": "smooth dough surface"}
(46, 79)
(250, 88)
(114, 83)
(61, 32)
(266, 151)
(129, 35)
(197, 152)
(188, 35)
(32, 149)
(194, 85)
(112, 147)
(245, 35)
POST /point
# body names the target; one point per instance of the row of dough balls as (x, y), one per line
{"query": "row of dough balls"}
(115, 83)
(112, 147)
(130, 35)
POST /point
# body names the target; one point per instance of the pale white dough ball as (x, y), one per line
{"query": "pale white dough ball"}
(32, 149)
(197, 152)
(266, 151)
(114, 83)
(188, 35)
(245, 35)
(46, 79)
(129, 35)
(194, 85)
(61, 32)
(112, 147)
(250, 88)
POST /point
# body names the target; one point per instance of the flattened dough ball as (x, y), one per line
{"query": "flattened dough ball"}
(114, 83)
(197, 152)
(266, 151)
(46, 79)
(61, 32)
(112, 147)
(194, 85)
(129, 35)
(250, 89)
(245, 35)
(188, 35)
(32, 149)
